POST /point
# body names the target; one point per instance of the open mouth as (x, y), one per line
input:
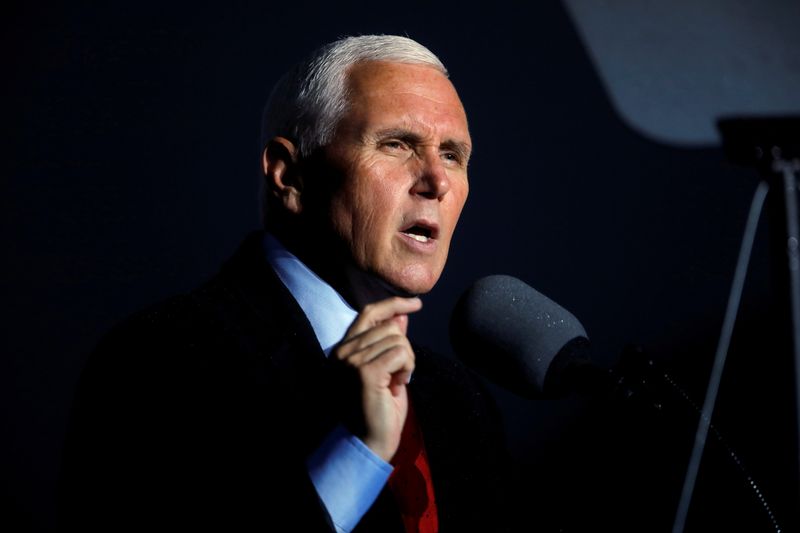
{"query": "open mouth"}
(421, 232)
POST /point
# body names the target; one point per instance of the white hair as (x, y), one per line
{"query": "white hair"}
(307, 103)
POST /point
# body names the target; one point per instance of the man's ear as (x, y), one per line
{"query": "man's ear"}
(281, 172)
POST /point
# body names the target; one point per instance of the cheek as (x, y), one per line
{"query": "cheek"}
(458, 198)
(377, 200)
(362, 215)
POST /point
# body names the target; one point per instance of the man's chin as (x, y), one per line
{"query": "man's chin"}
(366, 288)
(414, 281)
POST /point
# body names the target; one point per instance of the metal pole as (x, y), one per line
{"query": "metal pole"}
(790, 168)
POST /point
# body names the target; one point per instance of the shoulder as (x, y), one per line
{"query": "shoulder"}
(165, 326)
(179, 313)
(243, 298)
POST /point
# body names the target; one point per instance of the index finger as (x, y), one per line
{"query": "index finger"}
(378, 312)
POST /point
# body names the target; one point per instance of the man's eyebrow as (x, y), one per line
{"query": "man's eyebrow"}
(399, 133)
(459, 147)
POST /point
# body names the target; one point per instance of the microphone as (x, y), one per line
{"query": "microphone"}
(521, 340)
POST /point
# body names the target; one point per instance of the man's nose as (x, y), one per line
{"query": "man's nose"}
(433, 182)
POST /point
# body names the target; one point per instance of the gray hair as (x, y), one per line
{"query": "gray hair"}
(309, 100)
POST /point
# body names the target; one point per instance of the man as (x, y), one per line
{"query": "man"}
(284, 394)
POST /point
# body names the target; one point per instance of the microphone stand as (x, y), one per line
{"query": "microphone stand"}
(772, 146)
(790, 170)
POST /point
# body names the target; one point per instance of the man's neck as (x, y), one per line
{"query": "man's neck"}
(357, 287)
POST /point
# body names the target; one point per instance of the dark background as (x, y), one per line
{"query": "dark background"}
(130, 172)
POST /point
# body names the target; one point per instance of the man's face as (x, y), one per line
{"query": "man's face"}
(400, 154)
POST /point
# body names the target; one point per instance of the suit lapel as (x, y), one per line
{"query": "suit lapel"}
(278, 342)
(444, 402)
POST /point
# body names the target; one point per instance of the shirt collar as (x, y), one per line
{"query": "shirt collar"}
(329, 314)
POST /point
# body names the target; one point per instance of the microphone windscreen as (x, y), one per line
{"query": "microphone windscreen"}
(511, 333)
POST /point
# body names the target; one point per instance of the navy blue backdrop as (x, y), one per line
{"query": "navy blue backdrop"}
(130, 140)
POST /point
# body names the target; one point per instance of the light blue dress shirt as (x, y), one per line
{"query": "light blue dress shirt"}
(347, 475)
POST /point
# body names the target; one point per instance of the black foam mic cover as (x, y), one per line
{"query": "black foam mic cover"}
(515, 336)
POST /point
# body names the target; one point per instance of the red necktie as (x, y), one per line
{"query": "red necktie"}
(411, 480)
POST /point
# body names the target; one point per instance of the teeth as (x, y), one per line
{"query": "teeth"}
(420, 238)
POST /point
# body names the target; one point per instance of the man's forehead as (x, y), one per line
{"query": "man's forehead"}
(362, 74)
(416, 97)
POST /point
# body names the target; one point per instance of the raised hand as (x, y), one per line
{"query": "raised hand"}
(377, 348)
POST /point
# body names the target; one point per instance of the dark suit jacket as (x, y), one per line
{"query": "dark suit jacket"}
(200, 412)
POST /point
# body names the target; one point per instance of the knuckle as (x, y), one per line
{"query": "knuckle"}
(401, 352)
(395, 328)
(364, 344)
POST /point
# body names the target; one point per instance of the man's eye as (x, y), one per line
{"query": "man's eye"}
(451, 156)
(394, 145)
